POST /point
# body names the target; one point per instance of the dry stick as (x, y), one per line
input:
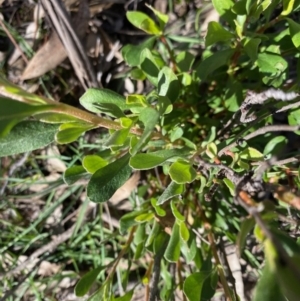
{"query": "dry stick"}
(71, 42)
(261, 131)
(156, 272)
(14, 41)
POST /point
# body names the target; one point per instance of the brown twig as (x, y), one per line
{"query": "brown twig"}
(13, 41)
(261, 131)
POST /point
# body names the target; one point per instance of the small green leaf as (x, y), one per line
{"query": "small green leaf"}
(176, 133)
(136, 100)
(159, 210)
(179, 217)
(85, 283)
(182, 172)
(104, 101)
(143, 22)
(275, 145)
(271, 63)
(230, 185)
(69, 132)
(132, 53)
(118, 138)
(251, 47)
(74, 174)
(128, 220)
(184, 232)
(246, 226)
(172, 190)
(149, 66)
(149, 117)
(294, 32)
(126, 122)
(184, 61)
(146, 161)
(92, 163)
(213, 62)
(27, 136)
(251, 153)
(144, 217)
(216, 33)
(162, 18)
(105, 181)
(172, 252)
(168, 84)
(211, 150)
(164, 105)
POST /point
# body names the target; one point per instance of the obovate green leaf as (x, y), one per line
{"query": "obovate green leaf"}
(294, 32)
(150, 160)
(213, 62)
(132, 53)
(91, 163)
(149, 66)
(128, 220)
(172, 252)
(69, 132)
(168, 84)
(104, 101)
(172, 190)
(271, 63)
(13, 111)
(193, 285)
(118, 138)
(85, 283)
(74, 174)
(105, 181)
(182, 172)
(251, 47)
(275, 145)
(149, 117)
(216, 33)
(143, 22)
(246, 226)
(27, 136)
(251, 153)
(184, 61)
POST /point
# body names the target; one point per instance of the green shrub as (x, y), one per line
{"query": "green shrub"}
(209, 127)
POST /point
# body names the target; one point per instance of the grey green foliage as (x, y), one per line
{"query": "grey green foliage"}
(175, 134)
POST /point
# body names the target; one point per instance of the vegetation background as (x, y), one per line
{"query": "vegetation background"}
(193, 191)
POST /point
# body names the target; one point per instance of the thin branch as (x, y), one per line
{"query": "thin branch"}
(261, 131)
(153, 288)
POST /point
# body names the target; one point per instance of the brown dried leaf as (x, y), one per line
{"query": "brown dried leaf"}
(52, 53)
